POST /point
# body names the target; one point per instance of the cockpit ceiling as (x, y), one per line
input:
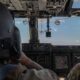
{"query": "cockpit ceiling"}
(33, 4)
(54, 7)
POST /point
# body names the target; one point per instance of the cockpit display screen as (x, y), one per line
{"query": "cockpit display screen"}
(61, 62)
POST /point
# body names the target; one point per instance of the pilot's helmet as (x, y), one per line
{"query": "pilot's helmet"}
(9, 34)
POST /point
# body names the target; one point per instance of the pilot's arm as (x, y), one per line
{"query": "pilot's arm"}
(28, 62)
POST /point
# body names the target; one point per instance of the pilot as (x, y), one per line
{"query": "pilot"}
(7, 31)
(11, 54)
(74, 74)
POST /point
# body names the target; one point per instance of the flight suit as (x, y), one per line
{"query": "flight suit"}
(20, 72)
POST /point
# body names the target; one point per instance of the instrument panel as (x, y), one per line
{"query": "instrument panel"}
(57, 58)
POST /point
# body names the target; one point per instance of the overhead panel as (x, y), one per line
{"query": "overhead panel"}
(43, 7)
(17, 4)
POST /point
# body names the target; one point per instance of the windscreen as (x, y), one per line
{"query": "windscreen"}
(64, 30)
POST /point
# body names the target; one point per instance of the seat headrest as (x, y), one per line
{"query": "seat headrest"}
(6, 22)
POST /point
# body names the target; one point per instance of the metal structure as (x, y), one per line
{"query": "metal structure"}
(33, 25)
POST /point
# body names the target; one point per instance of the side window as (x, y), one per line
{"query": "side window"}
(76, 4)
(22, 24)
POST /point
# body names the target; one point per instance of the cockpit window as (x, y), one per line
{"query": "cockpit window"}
(23, 25)
(76, 4)
(64, 31)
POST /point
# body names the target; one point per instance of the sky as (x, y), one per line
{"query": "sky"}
(66, 33)
(76, 4)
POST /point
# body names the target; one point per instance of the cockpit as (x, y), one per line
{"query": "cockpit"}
(50, 32)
